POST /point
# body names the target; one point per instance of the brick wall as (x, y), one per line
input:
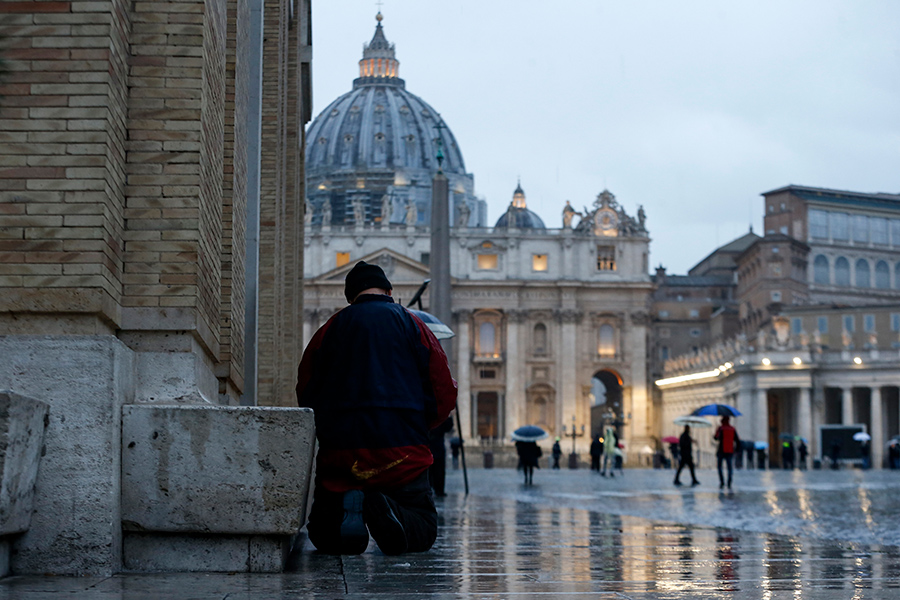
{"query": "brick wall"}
(62, 115)
(175, 156)
(281, 201)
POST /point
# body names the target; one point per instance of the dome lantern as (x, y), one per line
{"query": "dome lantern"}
(379, 64)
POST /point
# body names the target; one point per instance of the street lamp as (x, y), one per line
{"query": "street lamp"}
(573, 458)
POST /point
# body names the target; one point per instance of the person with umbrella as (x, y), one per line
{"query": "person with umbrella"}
(728, 440)
(686, 456)
(526, 447)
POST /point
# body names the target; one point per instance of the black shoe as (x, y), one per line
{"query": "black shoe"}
(678, 483)
(386, 529)
(695, 483)
(354, 537)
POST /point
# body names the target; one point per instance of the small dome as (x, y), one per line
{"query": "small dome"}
(517, 215)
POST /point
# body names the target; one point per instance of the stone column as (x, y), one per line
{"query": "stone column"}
(818, 418)
(463, 373)
(877, 433)
(761, 416)
(804, 414)
(847, 406)
(568, 371)
(515, 380)
(744, 403)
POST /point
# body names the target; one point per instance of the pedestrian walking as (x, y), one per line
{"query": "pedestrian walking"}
(787, 455)
(686, 456)
(557, 453)
(529, 453)
(378, 382)
(894, 455)
(803, 452)
(437, 472)
(835, 454)
(609, 452)
(866, 452)
(728, 440)
(596, 453)
(675, 451)
(455, 446)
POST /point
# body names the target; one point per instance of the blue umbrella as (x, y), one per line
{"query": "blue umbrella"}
(529, 433)
(717, 410)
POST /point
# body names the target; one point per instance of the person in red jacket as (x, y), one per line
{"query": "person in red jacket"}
(728, 442)
(378, 382)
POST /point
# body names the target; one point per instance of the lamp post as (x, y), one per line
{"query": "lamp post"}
(573, 458)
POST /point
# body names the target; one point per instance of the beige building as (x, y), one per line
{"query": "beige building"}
(819, 326)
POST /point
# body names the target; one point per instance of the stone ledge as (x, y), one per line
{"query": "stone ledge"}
(168, 552)
(215, 469)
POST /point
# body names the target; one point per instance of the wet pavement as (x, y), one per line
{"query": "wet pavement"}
(818, 535)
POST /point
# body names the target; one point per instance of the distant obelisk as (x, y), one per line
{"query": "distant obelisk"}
(440, 243)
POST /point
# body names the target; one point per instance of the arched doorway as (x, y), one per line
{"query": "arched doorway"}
(606, 399)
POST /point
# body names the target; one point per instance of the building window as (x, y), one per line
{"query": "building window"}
(820, 270)
(878, 230)
(897, 276)
(842, 271)
(606, 343)
(696, 333)
(487, 262)
(895, 233)
(776, 296)
(538, 262)
(694, 313)
(487, 373)
(425, 258)
(860, 229)
(540, 339)
(862, 274)
(664, 353)
(840, 226)
(776, 269)
(606, 258)
(882, 275)
(341, 259)
(664, 314)
(849, 323)
(783, 229)
(487, 339)
(818, 224)
(796, 325)
(822, 324)
(869, 323)
(895, 321)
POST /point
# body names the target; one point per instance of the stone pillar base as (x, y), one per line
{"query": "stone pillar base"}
(182, 552)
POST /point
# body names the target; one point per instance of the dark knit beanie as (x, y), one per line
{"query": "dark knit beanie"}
(362, 277)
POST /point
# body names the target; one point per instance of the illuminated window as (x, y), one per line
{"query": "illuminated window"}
(487, 262)
(341, 259)
(539, 262)
(606, 258)
(606, 344)
(487, 339)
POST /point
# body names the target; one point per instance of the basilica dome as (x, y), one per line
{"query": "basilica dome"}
(379, 139)
(518, 216)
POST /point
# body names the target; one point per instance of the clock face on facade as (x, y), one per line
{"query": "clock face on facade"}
(606, 222)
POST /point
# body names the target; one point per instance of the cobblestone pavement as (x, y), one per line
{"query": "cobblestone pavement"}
(817, 535)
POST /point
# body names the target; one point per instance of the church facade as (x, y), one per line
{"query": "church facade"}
(551, 323)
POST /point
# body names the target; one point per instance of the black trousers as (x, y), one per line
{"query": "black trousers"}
(413, 504)
(689, 464)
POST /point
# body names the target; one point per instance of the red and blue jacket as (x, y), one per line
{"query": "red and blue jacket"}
(378, 381)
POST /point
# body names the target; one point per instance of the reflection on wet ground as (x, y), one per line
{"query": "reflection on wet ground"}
(568, 537)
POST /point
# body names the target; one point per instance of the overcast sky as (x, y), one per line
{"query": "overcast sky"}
(691, 109)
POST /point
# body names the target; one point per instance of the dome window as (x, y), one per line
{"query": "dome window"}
(379, 108)
(322, 141)
(404, 110)
(410, 138)
(354, 108)
(335, 112)
(379, 137)
(348, 138)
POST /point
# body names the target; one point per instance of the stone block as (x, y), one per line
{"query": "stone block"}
(22, 422)
(153, 553)
(76, 524)
(215, 469)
